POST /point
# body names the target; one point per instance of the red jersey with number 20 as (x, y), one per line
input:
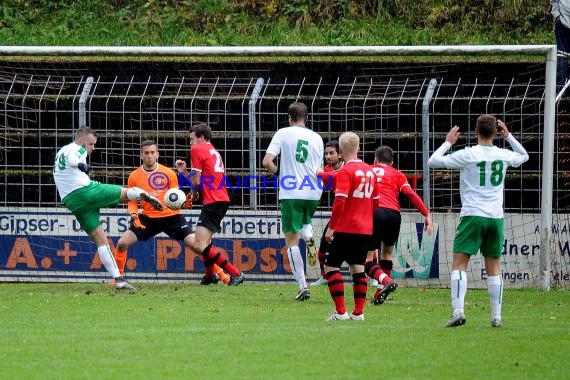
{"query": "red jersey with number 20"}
(356, 196)
(207, 161)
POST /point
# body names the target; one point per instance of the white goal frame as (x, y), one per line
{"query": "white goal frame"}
(549, 52)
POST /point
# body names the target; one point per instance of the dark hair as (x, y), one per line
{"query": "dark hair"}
(332, 144)
(298, 111)
(486, 125)
(83, 132)
(146, 143)
(202, 130)
(384, 154)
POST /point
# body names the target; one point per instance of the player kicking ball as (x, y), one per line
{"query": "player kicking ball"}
(85, 198)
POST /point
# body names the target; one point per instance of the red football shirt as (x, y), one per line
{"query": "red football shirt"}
(356, 196)
(392, 183)
(206, 160)
(327, 176)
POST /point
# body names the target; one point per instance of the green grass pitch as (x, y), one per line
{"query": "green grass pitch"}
(255, 331)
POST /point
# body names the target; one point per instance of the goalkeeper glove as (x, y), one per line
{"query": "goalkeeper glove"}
(83, 167)
(191, 197)
(136, 221)
(188, 203)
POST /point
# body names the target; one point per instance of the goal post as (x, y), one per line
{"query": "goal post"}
(382, 101)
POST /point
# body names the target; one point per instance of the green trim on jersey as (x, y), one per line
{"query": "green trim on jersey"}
(86, 202)
(476, 233)
(295, 213)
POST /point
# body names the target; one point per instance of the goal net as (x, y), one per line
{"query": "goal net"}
(406, 98)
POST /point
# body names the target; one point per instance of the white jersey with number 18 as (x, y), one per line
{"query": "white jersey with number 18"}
(482, 174)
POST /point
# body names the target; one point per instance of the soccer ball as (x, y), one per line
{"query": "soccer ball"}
(174, 199)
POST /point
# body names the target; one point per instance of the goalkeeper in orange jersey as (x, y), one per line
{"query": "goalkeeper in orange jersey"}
(156, 179)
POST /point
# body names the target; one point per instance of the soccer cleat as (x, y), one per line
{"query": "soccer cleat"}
(354, 317)
(154, 202)
(496, 322)
(304, 294)
(335, 316)
(121, 283)
(319, 282)
(207, 280)
(311, 252)
(380, 297)
(457, 319)
(235, 281)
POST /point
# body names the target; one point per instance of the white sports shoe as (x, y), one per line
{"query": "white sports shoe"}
(457, 319)
(338, 317)
(121, 283)
(496, 322)
(359, 317)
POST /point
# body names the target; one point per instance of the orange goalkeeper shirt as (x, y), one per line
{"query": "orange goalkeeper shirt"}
(156, 182)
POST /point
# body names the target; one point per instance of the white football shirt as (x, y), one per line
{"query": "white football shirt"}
(302, 154)
(66, 175)
(482, 174)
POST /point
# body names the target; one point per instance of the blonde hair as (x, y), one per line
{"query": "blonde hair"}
(349, 142)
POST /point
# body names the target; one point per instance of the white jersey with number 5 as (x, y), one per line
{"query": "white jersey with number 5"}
(482, 176)
(65, 173)
(302, 153)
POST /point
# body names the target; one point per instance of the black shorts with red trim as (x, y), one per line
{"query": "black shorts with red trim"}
(386, 228)
(349, 248)
(212, 215)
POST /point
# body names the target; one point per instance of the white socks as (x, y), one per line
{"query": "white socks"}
(108, 260)
(459, 288)
(297, 266)
(458, 291)
(134, 193)
(306, 232)
(495, 288)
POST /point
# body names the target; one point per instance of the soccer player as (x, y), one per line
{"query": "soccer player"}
(207, 174)
(481, 182)
(387, 221)
(84, 197)
(334, 163)
(301, 151)
(156, 179)
(350, 227)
